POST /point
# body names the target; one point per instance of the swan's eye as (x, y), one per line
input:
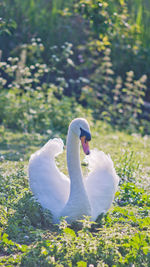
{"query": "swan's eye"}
(86, 134)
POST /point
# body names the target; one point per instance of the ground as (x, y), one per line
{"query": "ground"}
(121, 238)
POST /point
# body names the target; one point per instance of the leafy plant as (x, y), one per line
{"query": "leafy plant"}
(128, 166)
(35, 112)
(114, 100)
(131, 194)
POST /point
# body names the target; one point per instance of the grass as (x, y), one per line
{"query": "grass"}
(121, 238)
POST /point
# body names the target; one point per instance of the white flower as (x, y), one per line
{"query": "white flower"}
(10, 59)
(32, 67)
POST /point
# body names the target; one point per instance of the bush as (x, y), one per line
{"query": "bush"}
(34, 95)
(113, 99)
(29, 83)
(32, 111)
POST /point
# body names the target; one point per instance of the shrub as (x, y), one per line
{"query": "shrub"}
(113, 99)
(32, 111)
(30, 84)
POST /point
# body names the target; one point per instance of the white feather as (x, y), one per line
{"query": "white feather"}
(101, 184)
(48, 184)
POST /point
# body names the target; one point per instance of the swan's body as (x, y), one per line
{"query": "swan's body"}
(72, 198)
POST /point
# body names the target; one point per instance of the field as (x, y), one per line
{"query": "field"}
(120, 238)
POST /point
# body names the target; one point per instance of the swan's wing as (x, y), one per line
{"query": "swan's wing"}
(102, 182)
(48, 184)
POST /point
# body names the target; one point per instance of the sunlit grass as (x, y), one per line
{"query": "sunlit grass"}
(139, 11)
(121, 238)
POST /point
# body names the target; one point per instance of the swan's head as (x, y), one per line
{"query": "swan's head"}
(81, 129)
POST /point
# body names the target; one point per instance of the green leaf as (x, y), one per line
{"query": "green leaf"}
(146, 250)
(70, 232)
(81, 264)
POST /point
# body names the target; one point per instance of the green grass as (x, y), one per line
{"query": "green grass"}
(121, 238)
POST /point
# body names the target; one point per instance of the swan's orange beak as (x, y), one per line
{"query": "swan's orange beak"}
(85, 145)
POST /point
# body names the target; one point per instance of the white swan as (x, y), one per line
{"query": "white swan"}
(72, 198)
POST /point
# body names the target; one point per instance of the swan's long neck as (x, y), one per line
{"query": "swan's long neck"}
(73, 161)
(78, 203)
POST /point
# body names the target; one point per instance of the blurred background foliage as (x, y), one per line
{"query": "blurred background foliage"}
(60, 59)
